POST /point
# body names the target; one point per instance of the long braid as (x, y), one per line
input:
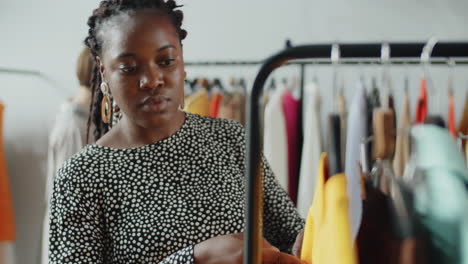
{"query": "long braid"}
(106, 10)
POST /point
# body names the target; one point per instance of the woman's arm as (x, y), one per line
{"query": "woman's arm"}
(76, 224)
(282, 223)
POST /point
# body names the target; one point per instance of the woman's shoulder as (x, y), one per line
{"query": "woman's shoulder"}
(218, 126)
(84, 166)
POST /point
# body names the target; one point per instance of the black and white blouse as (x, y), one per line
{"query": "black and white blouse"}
(152, 204)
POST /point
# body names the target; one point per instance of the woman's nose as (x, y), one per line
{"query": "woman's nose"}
(152, 79)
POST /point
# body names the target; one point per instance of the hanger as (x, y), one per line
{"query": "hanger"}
(272, 85)
(384, 131)
(242, 85)
(334, 122)
(216, 83)
(435, 119)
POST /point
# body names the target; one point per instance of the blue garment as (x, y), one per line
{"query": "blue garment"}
(441, 196)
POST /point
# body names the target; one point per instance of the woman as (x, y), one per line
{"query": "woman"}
(161, 186)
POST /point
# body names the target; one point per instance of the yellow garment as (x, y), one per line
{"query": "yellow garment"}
(198, 103)
(327, 235)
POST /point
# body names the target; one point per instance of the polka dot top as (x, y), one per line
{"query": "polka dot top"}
(152, 204)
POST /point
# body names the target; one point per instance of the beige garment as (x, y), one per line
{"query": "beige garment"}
(402, 150)
(341, 108)
(233, 107)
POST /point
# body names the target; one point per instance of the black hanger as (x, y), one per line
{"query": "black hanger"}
(272, 86)
(217, 83)
(193, 84)
(334, 144)
(242, 85)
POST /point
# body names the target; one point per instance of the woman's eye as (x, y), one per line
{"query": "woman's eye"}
(128, 69)
(166, 63)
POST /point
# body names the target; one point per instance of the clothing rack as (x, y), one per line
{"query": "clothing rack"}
(458, 51)
(32, 73)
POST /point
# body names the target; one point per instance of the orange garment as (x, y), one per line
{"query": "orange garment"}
(7, 224)
(421, 108)
(451, 116)
(215, 103)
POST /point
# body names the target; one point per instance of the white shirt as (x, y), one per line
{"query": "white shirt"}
(357, 131)
(311, 150)
(275, 145)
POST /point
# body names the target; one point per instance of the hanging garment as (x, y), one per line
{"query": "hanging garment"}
(233, 107)
(291, 108)
(327, 234)
(7, 222)
(311, 150)
(358, 130)
(451, 117)
(198, 103)
(421, 107)
(67, 137)
(402, 150)
(275, 138)
(341, 107)
(216, 99)
(387, 236)
(441, 196)
(463, 124)
(373, 102)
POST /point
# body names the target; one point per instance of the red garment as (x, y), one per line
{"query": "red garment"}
(215, 103)
(421, 108)
(451, 117)
(291, 108)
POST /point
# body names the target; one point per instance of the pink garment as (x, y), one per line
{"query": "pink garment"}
(291, 108)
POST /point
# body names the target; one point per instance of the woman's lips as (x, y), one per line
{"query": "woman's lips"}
(155, 104)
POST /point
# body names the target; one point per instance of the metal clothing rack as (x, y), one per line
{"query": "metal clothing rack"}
(458, 51)
(33, 73)
(321, 54)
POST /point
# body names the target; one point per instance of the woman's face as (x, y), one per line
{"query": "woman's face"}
(143, 64)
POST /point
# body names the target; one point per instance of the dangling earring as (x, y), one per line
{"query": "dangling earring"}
(106, 105)
(182, 105)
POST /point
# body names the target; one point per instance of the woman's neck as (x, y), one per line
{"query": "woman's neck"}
(127, 134)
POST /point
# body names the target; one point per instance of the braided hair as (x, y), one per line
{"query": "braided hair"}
(107, 10)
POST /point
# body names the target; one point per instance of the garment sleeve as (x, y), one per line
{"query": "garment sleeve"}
(281, 220)
(76, 222)
(183, 256)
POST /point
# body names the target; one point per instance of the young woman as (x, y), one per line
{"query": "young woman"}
(161, 186)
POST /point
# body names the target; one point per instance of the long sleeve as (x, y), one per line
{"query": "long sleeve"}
(76, 222)
(183, 256)
(281, 220)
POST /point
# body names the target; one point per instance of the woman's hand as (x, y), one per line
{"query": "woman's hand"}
(228, 249)
(296, 250)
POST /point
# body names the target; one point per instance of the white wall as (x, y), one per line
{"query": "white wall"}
(47, 36)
